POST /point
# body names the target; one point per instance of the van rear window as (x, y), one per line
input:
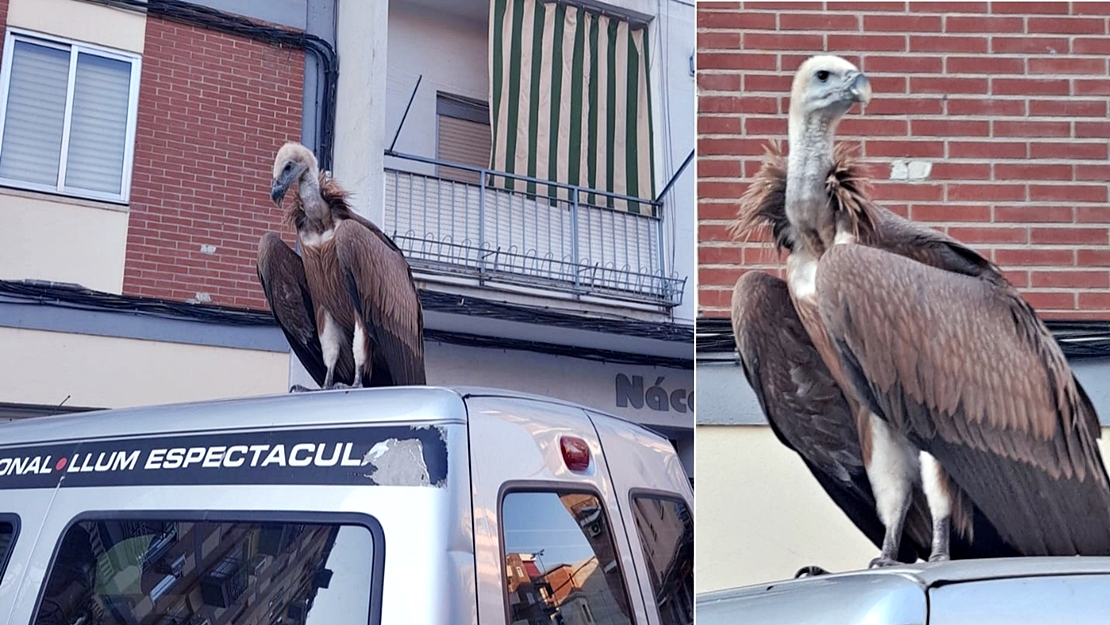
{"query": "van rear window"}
(666, 533)
(181, 572)
(561, 564)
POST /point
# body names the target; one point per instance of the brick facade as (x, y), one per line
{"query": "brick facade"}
(1007, 102)
(213, 110)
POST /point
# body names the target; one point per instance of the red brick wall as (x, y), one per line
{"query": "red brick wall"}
(3, 18)
(213, 110)
(1007, 101)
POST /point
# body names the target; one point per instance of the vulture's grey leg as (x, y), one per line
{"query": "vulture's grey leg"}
(893, 469)
(331, 341)
(934, 481)
(361, 350)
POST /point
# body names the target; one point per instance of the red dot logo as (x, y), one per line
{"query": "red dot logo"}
(60, 464)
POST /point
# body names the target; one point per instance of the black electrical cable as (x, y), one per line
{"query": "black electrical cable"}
(205, 17)
(471, 306)
(39, 293)
(1077, 339)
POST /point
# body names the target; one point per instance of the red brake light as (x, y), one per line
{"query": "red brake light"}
(576, 453)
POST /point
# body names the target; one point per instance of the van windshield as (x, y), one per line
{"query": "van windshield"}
(177, 572)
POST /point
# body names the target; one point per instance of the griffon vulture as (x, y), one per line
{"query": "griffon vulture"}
(348, 303)
(968, 394)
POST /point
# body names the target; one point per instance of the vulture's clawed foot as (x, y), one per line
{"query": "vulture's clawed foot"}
(882, 562)
(810, 571)
(338, 385)
(939, 557)
(297, 388)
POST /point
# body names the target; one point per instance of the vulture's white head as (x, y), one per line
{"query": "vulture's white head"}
(293, 160)
(824, 89)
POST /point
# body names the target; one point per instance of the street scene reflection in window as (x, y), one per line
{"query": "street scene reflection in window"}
(166, 572)
(666, 533)
(560, 561)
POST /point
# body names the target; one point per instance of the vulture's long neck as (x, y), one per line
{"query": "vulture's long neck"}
(808, 166)
(316, 209)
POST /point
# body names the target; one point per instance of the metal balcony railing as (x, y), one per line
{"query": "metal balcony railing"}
(544, 234)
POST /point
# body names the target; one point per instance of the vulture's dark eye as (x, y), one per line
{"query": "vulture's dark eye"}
(288, 166)
(822, 75)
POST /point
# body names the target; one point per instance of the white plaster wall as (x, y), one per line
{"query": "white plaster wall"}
(452, 54)
(45, 367)
(672, 40)
(361, 38)
(574, 379)
(81, 21)
(761, 516)
(64, 241)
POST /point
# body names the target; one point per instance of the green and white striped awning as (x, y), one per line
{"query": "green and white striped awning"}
(570, 96)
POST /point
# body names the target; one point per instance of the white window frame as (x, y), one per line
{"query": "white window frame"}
(12, 35)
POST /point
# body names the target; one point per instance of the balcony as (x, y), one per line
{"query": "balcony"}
(543, 235)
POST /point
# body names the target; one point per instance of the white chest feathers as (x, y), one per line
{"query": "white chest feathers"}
(801, 276)
(316, 239)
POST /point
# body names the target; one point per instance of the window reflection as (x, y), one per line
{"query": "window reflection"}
(561, 561)
(141, 572)
(666, 534)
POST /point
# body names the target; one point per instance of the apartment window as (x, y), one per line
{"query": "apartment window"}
(463, 135)
(67, 114)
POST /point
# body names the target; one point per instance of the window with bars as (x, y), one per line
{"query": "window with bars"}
(67, 117)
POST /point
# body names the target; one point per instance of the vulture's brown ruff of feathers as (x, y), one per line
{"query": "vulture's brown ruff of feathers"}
(351, 275)
(803, 403)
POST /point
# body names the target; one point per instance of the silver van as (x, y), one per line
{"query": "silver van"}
(392, 506)
(1011, 591)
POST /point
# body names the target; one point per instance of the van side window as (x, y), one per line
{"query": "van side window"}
(8, 530)
(666, 533)
(561, 563)
(168, 571)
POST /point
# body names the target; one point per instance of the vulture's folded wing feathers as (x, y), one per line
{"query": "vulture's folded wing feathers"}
(381, 285)
(283, 281)
(980, 385)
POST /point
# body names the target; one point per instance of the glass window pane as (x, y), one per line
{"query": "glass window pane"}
(561, 561)
(32, 140)
(98, 127)
(171, 572)
(666, 534)
(7, 541)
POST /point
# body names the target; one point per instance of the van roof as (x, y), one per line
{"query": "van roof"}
(414, 404)
(940, 573)
(857, 592)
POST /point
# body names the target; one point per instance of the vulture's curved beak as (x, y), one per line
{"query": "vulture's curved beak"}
(860, 88)
(280, 185)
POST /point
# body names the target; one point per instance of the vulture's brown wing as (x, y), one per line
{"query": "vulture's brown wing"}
(381, 285)
(806, 409)
(283, 281)
(900, 236)
(964, 368)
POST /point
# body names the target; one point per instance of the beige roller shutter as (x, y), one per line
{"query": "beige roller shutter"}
(463, 136)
